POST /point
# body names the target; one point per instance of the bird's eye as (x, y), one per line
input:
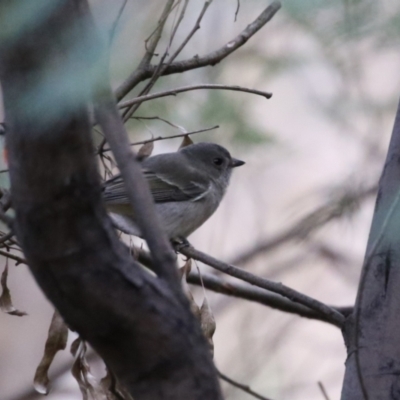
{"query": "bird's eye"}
(218, 161)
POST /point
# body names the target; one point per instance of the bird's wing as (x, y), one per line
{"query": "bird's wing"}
(163, 189)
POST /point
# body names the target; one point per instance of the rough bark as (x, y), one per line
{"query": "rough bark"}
(372, 332)
(138, 323)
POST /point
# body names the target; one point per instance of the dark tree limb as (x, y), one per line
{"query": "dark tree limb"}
(144, 72)
(138, 323)
(262, 296)
(372, 334)
(137, 190)
(334, 316)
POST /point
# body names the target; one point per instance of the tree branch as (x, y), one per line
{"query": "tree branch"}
(334, 316)
(136, 188)
(174, 92)
(141, 74)
(261, 296)
(246, 388)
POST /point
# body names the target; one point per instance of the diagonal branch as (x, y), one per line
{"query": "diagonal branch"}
(309, 223)
(212, 58)
(261, 296)
(246, 388)
(333, 315)
(138, 192)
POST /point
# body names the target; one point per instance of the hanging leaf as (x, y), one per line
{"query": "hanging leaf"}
(186, 141)
(208, 324)
(145, 151)
(56, 340)
(90, 387)
(6, 304)
(185, 270)
(193, 306)
(111, 389)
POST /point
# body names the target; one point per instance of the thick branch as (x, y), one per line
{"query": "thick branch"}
(136, 188)
(212, 58)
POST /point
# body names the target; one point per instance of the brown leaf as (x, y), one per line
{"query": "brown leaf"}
(207, 321)
(111, 389)
(185, 270)
(193, 306)
(81, 371)
(90, 387)
(186, 141)
(145, 151)
(6, 304)
(56, 340)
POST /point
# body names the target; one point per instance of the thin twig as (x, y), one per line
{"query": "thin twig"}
(161, 66)
(152, 42)
(333, 315)
(212, 58)
(174, 92)
(19, 260)
(240, 386)
(191, 33)
(237, 9)
(114, 26)
(169, 137)
(323, 391)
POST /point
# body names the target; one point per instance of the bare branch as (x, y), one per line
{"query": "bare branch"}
(174, 92)
(258, 295)
(191, 33)
(114, 26)
(240, 386)
(319, 217)
(12, 256)
(323, 391)
(169, 137)
(333, 315)
(212, 58)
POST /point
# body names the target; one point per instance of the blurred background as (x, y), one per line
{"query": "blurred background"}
(318, 144)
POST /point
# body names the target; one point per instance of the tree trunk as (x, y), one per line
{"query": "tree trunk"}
(138, 323)
(372, 333)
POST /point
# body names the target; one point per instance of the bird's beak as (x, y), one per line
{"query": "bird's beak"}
(236, 163)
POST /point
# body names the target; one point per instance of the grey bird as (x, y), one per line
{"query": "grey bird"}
(187, 187)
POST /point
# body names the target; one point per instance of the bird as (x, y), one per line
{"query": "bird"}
(187, 187)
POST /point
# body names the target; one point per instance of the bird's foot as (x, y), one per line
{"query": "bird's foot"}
(179, 243)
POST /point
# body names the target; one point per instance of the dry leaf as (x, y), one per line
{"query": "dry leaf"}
(145, 151)
(89, 386)
(81, 371)
(5, 298)
(208, 324)
(56, 340)
(186, 141)
(185, 270)
(193, 306)
(111, 389)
